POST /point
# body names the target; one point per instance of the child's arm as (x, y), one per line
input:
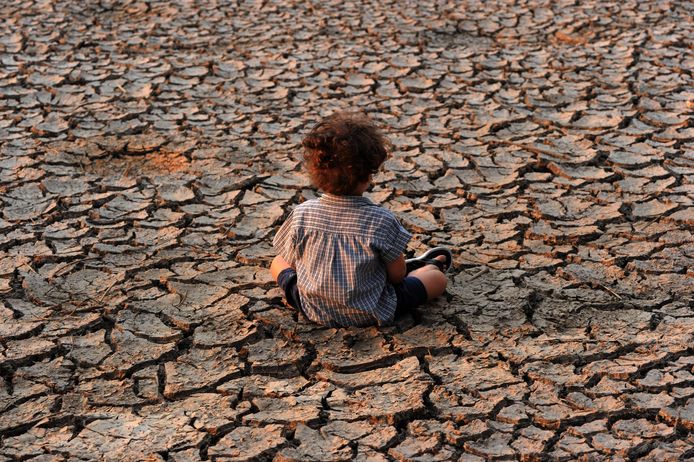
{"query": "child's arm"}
(396, 270)
(284, 244)
(278, 265)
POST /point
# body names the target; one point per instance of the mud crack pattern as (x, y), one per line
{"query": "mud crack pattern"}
(149, 150)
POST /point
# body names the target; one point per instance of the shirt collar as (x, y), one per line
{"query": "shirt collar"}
(345, 200)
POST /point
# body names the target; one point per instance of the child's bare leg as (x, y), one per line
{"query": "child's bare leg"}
(434, 280)
(278, 265)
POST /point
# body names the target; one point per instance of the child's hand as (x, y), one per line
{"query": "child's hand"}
(396, 270)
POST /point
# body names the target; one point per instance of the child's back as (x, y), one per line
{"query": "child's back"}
(338, 246)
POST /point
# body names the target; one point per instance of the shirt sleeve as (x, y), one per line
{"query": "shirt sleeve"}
(396, 241)
(284, 241)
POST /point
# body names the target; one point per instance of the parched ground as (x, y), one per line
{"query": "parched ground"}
(149, 150)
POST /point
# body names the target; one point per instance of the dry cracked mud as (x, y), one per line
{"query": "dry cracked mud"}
(150, 149)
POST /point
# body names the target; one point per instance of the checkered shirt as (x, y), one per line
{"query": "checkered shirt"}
(339, 246)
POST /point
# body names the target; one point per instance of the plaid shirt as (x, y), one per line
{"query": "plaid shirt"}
(339, 246)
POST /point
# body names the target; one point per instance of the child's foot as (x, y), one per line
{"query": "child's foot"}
(441, 257)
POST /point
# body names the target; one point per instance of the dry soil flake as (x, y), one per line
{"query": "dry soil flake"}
(568, 149)
(314, 446)
(305, 408)
(129, 437)
(365, 434)
(390, 402)
(27, 413)
(130, 351)
(175, 193)
(23, 351)
(680, 415)
(470, 375)
(407, 369)
(421, 448)
(493, 448)
(200, 368)
(570, 447)
(246, 444)
(356, 350)
(209, 412)
(607, 443)
(35, 443)
(531, 441)
(277, 357)
(640, 428)
(598, 121)
(653, 208)
(148, 326)
(52, 125)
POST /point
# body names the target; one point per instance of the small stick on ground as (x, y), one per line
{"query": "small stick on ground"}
(648, 224)
(183, 298)
(106, 291)
(58, 272)
(484, 270)
(127, 170)
(611, 291)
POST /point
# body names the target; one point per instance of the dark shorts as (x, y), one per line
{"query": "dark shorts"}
(287, 282)
(410, 292)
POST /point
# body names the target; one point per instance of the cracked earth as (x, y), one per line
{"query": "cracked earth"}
(149, 151)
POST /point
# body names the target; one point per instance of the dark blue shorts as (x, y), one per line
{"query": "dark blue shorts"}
(410, 292)
(287, 282)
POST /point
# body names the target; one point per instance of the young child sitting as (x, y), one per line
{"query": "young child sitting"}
(340, 257)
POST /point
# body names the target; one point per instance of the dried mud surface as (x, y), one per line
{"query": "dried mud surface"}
(149, 150)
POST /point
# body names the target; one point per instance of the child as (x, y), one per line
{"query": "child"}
(340, 257)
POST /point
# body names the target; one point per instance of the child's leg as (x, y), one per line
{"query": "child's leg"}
(434, 280)
(278, 265)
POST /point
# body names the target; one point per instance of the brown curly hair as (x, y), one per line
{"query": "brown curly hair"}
(342, 150)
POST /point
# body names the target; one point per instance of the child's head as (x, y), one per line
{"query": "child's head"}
(342, 152)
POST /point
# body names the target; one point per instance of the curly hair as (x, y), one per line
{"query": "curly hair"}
(342, 150)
